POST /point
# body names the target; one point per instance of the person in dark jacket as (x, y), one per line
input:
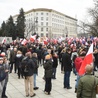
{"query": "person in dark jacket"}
(39, 55)
(29, 78)
(62, 67)
(55, 64)
(48, 74)
(96, 59)
(66, 61)
(2, 82)
(35, 71)
(59, 53)
(18, 59)
(7, 68)
(13, 53)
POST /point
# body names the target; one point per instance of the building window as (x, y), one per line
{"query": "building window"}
(36, 29)
(29, 25)
(37, 18)
(46, 34)
(41, 23)
(41, 13)
(46, 29)
(41, 18)
(42, 34)
(46, 13)
(46, 18)
(36, 13)
(41, 29)
(46, 23)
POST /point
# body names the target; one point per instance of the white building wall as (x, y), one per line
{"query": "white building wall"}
(57, 23)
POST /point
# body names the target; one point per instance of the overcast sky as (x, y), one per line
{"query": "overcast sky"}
(73, 8)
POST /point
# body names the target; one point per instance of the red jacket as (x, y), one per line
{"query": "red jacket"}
(78, 62)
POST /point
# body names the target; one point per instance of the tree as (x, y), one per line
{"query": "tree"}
(10, 28)
(3, 28)
(94, 16)
(90, 26)
(0, 32)
(20, 24)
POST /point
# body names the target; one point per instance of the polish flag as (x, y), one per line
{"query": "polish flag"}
(33, 38)
(88, 59)
(21, 39)
(45, 41)
(54, 41)
(24, 42)
(4, 40)
(39, 40)
(69, 41)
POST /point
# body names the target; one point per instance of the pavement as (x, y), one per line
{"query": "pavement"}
(16, 87)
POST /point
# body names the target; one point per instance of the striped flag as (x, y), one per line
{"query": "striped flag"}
(88, 59)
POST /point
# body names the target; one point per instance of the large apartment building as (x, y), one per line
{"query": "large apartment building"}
(50, 23)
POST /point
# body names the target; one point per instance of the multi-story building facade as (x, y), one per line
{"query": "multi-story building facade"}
(48, 22)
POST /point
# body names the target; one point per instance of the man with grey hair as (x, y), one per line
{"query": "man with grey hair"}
(87, 84)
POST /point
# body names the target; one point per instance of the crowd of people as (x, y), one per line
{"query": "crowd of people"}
(25, 60)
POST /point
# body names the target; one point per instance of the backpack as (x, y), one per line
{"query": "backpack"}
(74, 57)
(24, 66)
(2, 73)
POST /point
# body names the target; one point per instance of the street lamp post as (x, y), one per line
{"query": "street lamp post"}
(35, 25)
(66, 31)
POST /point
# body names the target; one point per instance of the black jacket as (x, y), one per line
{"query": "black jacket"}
(48, 69)
(35, 70)
(18, 60)
(30, 64)
(55, 62)
(66, 62)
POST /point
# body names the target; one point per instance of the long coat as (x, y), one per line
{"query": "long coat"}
(48, 69)
(86, 87)
(66, 62)
(55, 62)
(18, 60)
(35, 70)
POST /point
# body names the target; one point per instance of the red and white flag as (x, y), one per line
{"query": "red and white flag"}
(33, 38)
(45, 41)
(4, 40)
(24, 42)
(88, 59)
(54, 41)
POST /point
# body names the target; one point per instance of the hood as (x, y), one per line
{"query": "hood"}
(78, 61)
